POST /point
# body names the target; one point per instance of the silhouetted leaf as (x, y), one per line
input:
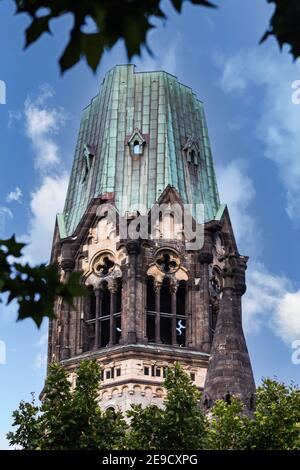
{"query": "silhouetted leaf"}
(128, 20)
(284, 25)
(34, 288)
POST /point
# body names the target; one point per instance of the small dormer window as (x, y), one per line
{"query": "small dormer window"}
(88, 157)
(136, 143)
(191, 151)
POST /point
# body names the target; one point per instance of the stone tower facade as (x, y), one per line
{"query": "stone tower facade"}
(144, 226)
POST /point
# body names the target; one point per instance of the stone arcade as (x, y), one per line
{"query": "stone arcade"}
(154, 299)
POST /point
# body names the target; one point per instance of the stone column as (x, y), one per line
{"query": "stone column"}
(67, 266)
(157, 286)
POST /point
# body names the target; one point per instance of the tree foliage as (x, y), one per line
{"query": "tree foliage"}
(71, 418)
(277, 417)
(33, 288)
(68, 419)
(179, 425)
(284, 25)
(227, 427)
(129, 21)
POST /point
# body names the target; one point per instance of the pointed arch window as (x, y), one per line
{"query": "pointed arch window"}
(166, 312)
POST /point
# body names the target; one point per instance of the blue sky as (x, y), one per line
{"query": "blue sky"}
(255, 135)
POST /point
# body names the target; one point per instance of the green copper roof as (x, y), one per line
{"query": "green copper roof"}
(169, 119)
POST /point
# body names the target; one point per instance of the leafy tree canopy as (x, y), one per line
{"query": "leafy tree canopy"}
(129, 20)
(70, 418)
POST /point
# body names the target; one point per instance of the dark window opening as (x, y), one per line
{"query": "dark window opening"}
(151, 327)
(207, 402)
(166, 329)
(157, 372)
(192, 375)
(105, 300)
(165, 297)
(153, 371)
(192, 156)
(108, 374)
(180, 298)
(118, 329)
(180, 331)
(146, 370)
(252, 402)
(150, 294)
(104, 333)
(112, 373)
(228, 398)
(118, 372)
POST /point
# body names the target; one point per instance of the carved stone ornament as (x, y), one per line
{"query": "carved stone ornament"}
(167, 262)
(104, 264)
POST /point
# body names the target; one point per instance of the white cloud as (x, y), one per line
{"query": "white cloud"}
(13, 116)
(278, 118)
(15, 195)
(42, 124)
(45, 203)
(5, 211)
(271, 300)
(236, 189)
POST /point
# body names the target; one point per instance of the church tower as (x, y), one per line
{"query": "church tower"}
(144, 226)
